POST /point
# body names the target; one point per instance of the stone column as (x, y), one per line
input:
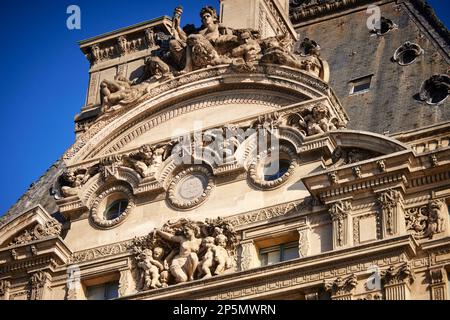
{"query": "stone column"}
(304, 241)
(392, 215)
(5, 286)
(342, 224)
(248, 257)
(438, 284)
(40, 286)
(342, 288)
(397, 282)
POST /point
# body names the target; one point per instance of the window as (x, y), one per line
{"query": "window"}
(115, 209)
(280, 253)
(283, 167)
(361, 85)
(105, 291)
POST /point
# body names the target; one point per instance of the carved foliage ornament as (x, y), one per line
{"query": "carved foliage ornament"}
(39, 232)
(342, 286)
(398, 275)
(184, 251)
(426, 221)
(339, 212)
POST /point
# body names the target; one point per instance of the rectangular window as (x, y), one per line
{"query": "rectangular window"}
(280, 253)
(106, 291)
(360, 85)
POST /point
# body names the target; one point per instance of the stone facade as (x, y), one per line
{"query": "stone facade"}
(168, 192)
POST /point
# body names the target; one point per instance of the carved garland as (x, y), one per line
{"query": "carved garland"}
(98, 217)
(181, 180)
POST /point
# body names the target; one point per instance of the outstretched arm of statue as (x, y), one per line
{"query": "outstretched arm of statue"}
(168, 236)
(158, 264)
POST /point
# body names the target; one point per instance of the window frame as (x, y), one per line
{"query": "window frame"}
(358, 82)
(281, 248)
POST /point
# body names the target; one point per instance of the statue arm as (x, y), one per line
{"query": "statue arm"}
(169, 237)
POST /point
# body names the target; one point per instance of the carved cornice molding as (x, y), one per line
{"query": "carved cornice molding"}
(304, 10)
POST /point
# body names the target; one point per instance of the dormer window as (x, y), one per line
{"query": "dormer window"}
(361, 85)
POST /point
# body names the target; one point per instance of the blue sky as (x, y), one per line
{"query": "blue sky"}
(45, 76)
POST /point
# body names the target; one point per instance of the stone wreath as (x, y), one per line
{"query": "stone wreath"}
(255, 168)
(97, 211)
(190, 188)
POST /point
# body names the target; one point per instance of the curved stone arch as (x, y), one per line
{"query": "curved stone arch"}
(282, 79)
(293, 136)
(367, 140)
(97, 183)
(171, 166)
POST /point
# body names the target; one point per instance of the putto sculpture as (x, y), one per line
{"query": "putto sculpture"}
(184, 251)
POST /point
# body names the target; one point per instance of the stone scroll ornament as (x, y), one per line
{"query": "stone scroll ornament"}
(184, 251)
(426, 221)
(190, 49)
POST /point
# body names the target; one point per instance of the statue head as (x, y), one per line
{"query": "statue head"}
(221, 240)
(208, 242)
(190, 231)
(320, 111)
(209, 16)
(158, 253)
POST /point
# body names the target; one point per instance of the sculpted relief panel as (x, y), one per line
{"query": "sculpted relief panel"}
(184, 251)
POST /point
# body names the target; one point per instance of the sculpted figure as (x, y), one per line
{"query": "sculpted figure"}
(140, 160)
(200, 50)
(71, 181)
(155, 70)
(208, 259)
(112, 92)
(177, 46)
(185, 260)
(152, 266)
(248, 49)
(317, 122)
(276, 51)
(435, 218)
(221, 255)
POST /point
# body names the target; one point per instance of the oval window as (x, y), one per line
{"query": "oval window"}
(115, 209)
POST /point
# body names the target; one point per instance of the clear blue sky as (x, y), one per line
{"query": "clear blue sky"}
(45, 76)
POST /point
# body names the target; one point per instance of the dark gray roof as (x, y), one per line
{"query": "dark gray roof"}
(38, 193)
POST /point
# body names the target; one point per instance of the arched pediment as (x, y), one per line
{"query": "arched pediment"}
(229, 96)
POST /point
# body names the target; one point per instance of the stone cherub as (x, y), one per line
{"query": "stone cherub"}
(317, 122)
(153, 274)
(436, 218)
(216, 256)
(146, 160)
(72, 180)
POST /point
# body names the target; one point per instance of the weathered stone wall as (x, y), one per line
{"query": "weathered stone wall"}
(352, 52)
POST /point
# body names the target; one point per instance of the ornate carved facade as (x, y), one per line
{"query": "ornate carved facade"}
(219, 163)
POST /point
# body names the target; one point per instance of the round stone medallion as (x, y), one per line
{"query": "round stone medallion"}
(190, 188)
